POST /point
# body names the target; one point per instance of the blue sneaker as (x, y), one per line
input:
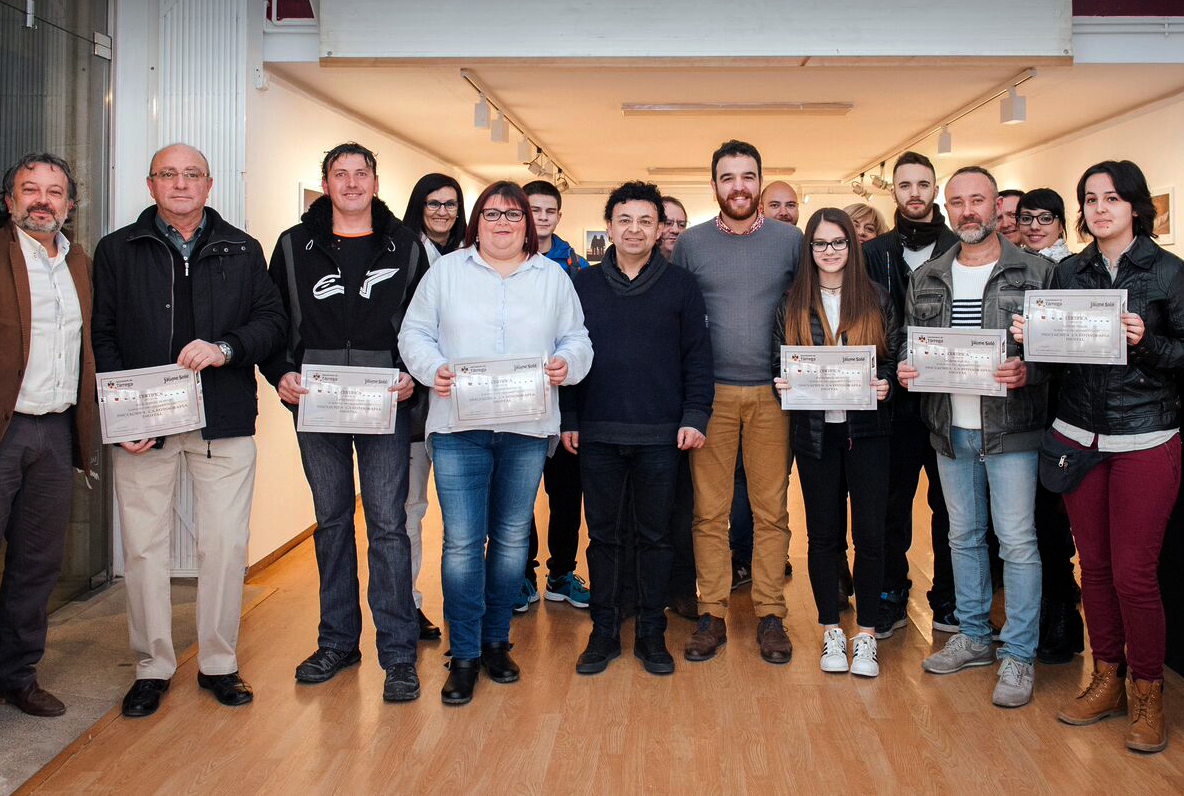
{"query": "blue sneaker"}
(528, 595)
(570, 587)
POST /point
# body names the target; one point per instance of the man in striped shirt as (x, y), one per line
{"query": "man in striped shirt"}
(986, 444)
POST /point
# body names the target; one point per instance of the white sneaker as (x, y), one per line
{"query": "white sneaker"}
(863, 655)
(834, 651)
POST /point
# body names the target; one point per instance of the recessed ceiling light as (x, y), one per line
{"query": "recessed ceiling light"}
(736, 108)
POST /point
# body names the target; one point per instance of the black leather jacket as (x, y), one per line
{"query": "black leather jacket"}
(1014, 423)
(806, 427)
(1142, 395)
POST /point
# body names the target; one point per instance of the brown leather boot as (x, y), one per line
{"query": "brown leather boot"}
(1146, 733)
(1105, 696)
(711, 634)
(773, 640)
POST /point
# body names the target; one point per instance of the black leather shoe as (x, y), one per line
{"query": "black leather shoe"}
(324, 663)
(652, 652)
(1062, 634)
(143, 698)
(427, 630)
(34, 700)
(595, 657)
(230, 689)
(496, 659)
(402, 683)
(462, 676)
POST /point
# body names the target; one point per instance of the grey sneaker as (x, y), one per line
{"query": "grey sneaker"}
(958, 653)
(1014, 688)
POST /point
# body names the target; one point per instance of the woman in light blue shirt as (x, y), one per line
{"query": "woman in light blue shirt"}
(497, 296)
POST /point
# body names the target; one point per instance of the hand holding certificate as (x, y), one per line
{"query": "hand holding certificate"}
(149, 402)
(828, 377)
(342, 399)
(957, 361)
(1082, 326)
(503, 389)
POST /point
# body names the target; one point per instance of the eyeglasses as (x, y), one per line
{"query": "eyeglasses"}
(645, 222)
(513, 215)
(448, 207)
(679, 224)
(838, 244)
(189, 175)
(1043, 219)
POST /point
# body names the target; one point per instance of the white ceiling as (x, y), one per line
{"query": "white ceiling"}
(576, 111)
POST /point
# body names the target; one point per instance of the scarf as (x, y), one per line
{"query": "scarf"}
(622, 285)
(1056, 252)
(919, 234)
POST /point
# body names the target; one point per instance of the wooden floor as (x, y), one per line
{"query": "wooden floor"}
(730, 725)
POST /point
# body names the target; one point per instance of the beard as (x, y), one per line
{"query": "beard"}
(25, 219)
(726, 209)
(916, 215)
(979, 232)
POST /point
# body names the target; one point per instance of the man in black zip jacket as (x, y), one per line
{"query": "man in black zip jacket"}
(346, 274)
(920, 234)
(182, 286)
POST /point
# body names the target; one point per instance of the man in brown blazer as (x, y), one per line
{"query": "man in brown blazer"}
(47, 401)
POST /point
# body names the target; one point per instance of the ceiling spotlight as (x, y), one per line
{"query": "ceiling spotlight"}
(858, 188)
(1013, 109)
(499, 131)
(481, 113)
(525, 148)
(945, 142)
(561, 182)
(533, 166)
(880, 182)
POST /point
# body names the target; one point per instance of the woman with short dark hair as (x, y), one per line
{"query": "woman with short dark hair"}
(1040, 219)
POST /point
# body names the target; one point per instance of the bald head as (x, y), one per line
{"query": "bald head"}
(179, 181)
(780, 201)
(182, 150)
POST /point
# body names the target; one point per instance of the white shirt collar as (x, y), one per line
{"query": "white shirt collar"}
(33, 248)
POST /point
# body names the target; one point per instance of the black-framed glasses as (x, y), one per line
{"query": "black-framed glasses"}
(448, 207)
(1043, 219)
(492, 214)
(838, 244)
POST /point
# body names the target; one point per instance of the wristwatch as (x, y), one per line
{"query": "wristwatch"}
(226, 350)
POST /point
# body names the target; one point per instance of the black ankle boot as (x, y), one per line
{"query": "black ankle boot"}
(462, 676)
(1062, 633)
(496, 659)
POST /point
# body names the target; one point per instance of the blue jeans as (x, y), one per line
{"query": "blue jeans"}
(1012, 481)
(382, 465)
(486, 482)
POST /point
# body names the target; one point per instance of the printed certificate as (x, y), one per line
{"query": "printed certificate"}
(149, 402)
(957, 361)
(504, 389)
(343, 399)
(828, 377)
(1080, 326)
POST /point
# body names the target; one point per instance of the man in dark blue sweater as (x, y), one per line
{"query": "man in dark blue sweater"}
(647, 397)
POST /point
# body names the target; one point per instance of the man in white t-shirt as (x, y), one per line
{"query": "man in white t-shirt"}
(987, 446)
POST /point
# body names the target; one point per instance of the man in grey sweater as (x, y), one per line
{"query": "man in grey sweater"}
(743, 263)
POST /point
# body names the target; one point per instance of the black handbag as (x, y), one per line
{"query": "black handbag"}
(1063, 464)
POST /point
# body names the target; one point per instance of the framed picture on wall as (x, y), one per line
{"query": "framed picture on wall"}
(308, 192)
(595, 244)
(1164, 200)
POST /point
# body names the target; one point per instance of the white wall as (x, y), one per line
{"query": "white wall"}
(1150, 137)
(287, 137)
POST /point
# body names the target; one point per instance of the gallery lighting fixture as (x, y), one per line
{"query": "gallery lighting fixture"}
(525, 150)
(945, 142)
(736, 108)
(499, 131)
(1013, 109)
(561, 181)
(481, 112)
(534, 166)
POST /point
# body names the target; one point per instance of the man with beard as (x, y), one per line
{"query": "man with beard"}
(780, 201)
(1008, 227)
(920, 234)
(986, 442)
(47, 393)
(743, 264)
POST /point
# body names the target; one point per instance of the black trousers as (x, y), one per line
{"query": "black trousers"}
(35, 482)
(1055, 540)
(910, 452)
(861, 463)
(628, 492)
(561, 481)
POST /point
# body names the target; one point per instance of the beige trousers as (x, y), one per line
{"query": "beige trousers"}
(753, 415)
(223, 476)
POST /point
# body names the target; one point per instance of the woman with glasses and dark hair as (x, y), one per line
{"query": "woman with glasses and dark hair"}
(436, 213)
(833, 301)
(1040, 218)
(1128, 416)
(496, 297)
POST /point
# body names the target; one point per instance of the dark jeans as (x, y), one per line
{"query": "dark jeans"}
(561, 481)
(35, 480)
(860, 463)
(486, 482)
(382, 464)
(1055, 540)
(910, 451)
(628, 492)
(682, 516)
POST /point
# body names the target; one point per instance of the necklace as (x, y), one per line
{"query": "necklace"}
(831, 291)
